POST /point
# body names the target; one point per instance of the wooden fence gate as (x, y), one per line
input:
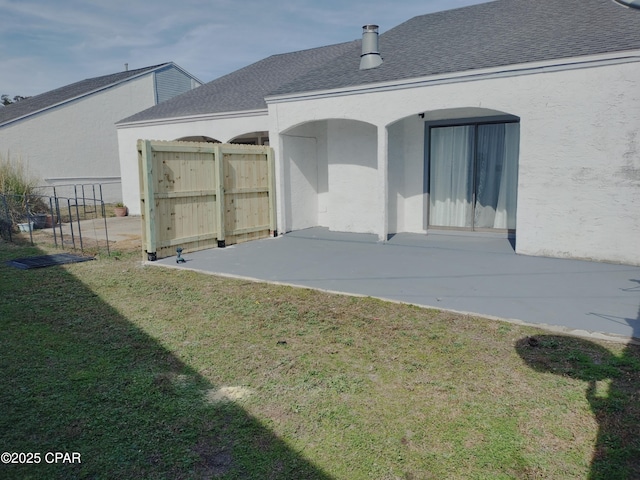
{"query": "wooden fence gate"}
(203, 195)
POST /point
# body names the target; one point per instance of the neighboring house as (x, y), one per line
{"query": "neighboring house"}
(510, 117)
(68, 136)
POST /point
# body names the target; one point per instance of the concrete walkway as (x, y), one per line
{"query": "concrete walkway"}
(477, 275)
(122, 233)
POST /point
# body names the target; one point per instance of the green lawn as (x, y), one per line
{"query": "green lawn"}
(155, 373)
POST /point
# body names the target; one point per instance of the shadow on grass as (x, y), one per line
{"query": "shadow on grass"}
(78, 377)
(617, 450)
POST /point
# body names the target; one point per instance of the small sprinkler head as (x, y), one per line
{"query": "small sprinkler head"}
(179, 258)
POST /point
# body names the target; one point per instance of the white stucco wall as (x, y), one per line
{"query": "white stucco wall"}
(579, 168)
(353, 200)
(77, 142)
(306, 173)
(579, 178)
(406, 176)
(223, 128)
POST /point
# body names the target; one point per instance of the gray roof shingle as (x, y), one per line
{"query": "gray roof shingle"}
(244, 89)
(494, 34)
(60, 95)
(487, 35)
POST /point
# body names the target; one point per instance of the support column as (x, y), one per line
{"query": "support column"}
(276, 142)
(383, 184)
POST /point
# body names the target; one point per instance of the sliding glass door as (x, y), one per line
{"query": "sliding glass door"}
(473, 174)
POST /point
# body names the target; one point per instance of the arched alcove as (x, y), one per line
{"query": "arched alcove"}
(198, 138)
(253, 138)
(453, 169)
(330, 171)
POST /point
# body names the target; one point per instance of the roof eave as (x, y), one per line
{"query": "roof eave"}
(570, 63)
(91, 92)
(194, 118)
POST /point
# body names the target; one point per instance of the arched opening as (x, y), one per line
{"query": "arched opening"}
(198, 138)
(453, 169)
(329, 172)
(253, 138)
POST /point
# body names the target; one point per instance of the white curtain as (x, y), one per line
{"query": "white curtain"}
(489, 166)
(451, 182)
(506, 206)
(453, 153)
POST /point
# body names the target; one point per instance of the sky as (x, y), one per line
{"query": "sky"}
(46, 44)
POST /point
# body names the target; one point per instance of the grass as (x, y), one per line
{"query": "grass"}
(158, 373)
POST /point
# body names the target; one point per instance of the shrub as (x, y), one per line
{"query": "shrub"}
(15, 178)
(19, 190)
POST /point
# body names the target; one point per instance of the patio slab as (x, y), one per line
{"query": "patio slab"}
(470, 274)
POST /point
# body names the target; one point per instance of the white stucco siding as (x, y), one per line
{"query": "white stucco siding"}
(579, 175)
(221, 129)
(396, 180)
(354, 201)
(77, 142)
(579, 188)
(579, 166)
(406, 176)
(302, 194)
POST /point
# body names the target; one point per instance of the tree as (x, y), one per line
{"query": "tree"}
(6, 100)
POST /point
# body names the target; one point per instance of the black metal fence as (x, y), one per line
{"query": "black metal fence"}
(60, 218)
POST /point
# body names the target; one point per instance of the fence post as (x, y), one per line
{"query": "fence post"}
(149, 199)
(73, 236)
(79, 227)
(273, 226)
(218, 157)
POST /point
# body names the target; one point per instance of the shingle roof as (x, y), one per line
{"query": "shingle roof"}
(487, 35)
(60, 95)
(494, 34)
(244, 89)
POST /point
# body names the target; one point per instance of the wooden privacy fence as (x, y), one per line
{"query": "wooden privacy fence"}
(203, 195)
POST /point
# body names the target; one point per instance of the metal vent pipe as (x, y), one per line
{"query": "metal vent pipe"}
(370, 57)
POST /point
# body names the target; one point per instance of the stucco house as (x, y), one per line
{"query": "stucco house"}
(67, 135)
(511, 117)
(230, 109)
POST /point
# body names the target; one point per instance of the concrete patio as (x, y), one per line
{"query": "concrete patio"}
(471, 274)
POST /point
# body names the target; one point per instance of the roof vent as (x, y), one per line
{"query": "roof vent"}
(630, 3)
(370, 57)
